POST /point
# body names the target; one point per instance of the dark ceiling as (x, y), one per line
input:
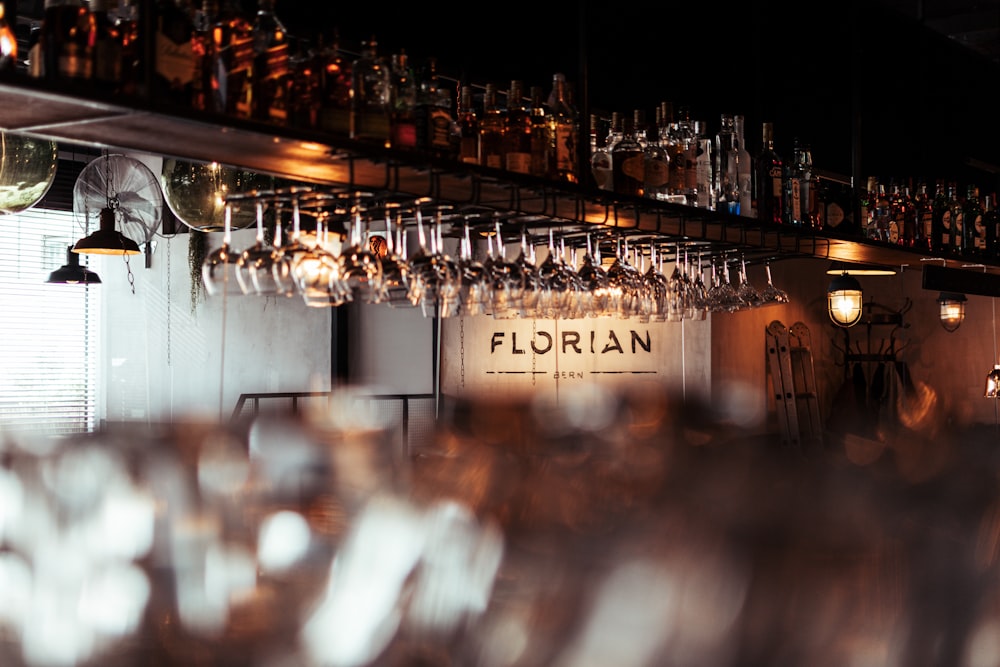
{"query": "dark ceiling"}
(973, 24)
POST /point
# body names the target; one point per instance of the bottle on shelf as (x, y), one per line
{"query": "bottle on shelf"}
(792, 187)
(433, 113)
(627, 158)
(698, 171)
(336, 79)
(974, 244)
(656, 165)
(467, 127)
(957, 205)
(725, 193)
(403, 93)
(541, 153)
(370, 90)
(304, 87)
(991, 224)
(491, 127)
(271, 73)
(230, 55)
(107, 49)
(923, 206)
(564, 131)
(910, 234)
(744, 169)
(770, 177)
(127, 23)
(881, 215)
(63, 49)
(174, 55)
(517, 131)
(941, 222)
(676, 143)
(600, 156)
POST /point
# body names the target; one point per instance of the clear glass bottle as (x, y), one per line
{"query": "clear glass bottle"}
(957, 206)
(517, 130)
(656, 167)
(698, 172)
(975, 230)
(541, 152)
(600, 156)
(923, 211)
(627, 162)
(744, 169)
(434, 113)
(491, 127)
(724, 180)
(370, 96)
(770, 175)
(941, 222)
(564, 131)
(676, 147)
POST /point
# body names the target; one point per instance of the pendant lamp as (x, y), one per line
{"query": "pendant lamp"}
(845, 300)
(72, 272)
(952, 310)
(107, 240)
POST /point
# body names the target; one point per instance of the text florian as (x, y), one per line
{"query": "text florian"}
(543, 342)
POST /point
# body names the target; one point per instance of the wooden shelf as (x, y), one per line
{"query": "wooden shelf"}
(76, 116)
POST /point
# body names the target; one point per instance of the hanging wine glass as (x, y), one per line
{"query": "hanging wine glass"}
(317, 271)
(553, 285)
(394, 285)
(624, 282)
(507, 281)
(593, 282)
(255, 267)
(655, 289)
(748, 295)
(699, 295)
(360, 272)
(286, 253)
(433, 275)
(770, 294)
(219, 271)
(474, 295)
(678, 296)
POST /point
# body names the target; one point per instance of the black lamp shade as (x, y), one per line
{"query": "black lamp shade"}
(107, 240)
(73, 273)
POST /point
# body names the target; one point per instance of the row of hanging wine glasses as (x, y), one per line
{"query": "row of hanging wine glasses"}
(355, 248)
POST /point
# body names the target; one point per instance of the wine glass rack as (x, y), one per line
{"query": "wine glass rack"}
(75, 115)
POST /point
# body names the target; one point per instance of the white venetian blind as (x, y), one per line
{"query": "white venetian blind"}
(49, 333)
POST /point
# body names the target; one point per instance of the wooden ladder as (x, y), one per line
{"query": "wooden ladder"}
(793, 381)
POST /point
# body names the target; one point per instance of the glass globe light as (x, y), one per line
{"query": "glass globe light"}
(27, 170)
(196, 193)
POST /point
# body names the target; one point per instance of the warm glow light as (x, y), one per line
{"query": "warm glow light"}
(952, 310)
(845, 300)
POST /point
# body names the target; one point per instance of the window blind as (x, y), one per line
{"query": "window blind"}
(49, 333)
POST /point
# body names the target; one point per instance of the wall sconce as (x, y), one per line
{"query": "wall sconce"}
(844, 300)
(72, 272)
(952, 310)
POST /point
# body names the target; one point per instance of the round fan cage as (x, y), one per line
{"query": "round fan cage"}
(128, 187)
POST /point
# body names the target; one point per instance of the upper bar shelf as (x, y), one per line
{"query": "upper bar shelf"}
(75, 116)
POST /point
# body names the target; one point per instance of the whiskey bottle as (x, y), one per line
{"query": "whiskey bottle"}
(230, 60)
(491, 127)
(433, 113)
(467, 127)
(541, 153)
(627, 162)
(770, 173)
(63, 49)
(517, 131)
(923, 210)
(107, 49)
(564, 131)
(676, 146)
(974, 244)
(304, 87)
(941, 222)
(174, 66)
(600, 156)
(957, 220)
(792, 186)
(335, 82)
(991, 224)
(271, 73)
(403, 95)
(370, 90)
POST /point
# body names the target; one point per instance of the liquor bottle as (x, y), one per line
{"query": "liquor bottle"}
(174, 66)
(230, 60)
(910, 233)
(924, 212)
(491, 126)
(600, 156)
(869, 204)
(770, 172)
(433, 113)
(698, 171)
(127, 24)
(656, 165)
(841, 209)
(517, 131)
(676, 146)
(881, 215)
(792, 187)
(8, 44)
(724, 187)
(271, 74)
(370, 88)
(957, 220)
(304, 87)
(808, 188)
(107, 49)
(941, 222)
(974, 244)
(564, 131)
(991, 223)
(403, 100)
(335, 83)
(541, 153)
(744, 169)
(627, 159)
(62, 50)
(467, 127)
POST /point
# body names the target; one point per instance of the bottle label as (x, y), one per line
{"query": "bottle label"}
(926, 222)
(74, 63)
(634, 167)
(656, 173)
(174, 61)
(565, 148)
(519, 162)
(834, 215)
(439, 129)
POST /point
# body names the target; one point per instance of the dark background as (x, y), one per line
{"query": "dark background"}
(872, 91)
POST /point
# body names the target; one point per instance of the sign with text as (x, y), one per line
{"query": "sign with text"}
(510, 357)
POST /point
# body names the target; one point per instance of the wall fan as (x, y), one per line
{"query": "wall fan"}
(124, 188)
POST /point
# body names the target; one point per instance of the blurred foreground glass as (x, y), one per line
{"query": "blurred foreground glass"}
(27, 170)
